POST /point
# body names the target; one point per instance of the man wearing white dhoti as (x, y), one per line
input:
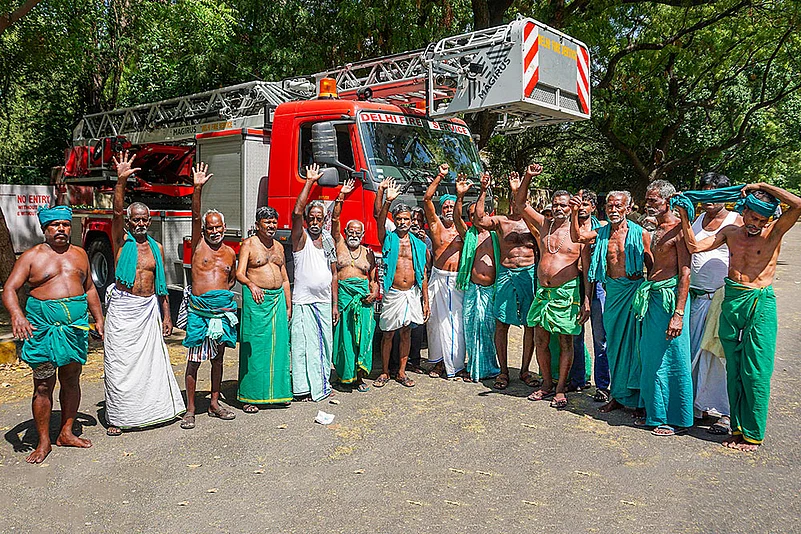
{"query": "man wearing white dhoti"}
(446, 348)
(140, 384)
(708, 269)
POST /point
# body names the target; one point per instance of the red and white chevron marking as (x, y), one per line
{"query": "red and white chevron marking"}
(531, 62)
(583, 78)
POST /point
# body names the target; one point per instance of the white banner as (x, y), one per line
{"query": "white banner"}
(20, 204)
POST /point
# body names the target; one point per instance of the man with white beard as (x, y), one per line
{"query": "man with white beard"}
(211, 318)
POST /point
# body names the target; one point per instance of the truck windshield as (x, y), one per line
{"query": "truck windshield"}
(411, 148)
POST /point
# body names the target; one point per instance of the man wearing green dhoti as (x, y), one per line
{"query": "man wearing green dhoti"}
(55, 325)
(358, 289)
(266, 307)
(748, 314)
(661, 304)
(559, 308)
(476, 277)
(617, 262)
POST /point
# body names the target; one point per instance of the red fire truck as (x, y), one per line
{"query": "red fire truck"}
(388, 117)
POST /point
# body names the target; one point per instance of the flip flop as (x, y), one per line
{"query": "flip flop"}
(667, 430)
(601, 395)
(541, 395)
(719, 429)
(559, 403)
(361, 388)
(188, 421)
(501, 381)
(405, 381)
(113, 431)
(530, 380)
(380, 382)
(222, 413)
(437, 370)
(250, 408)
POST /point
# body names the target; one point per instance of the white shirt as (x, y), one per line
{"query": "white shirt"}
(312, 274)
(711, 267)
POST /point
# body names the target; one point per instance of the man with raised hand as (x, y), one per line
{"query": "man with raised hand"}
(559, 308)
(314, 298)
(445, 328)
(748, 314)
(515, 281)
(266, 310)
(140, 384)
(476, 278)
(708, 271)
(621, 251)
(405, 301)
(358, 289)
(55, 325)
(211, 318)
(661, 304)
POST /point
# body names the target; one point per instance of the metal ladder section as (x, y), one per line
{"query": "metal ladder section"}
(175, 119)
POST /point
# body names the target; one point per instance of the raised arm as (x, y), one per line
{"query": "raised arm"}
(789, 217)
(298, 236)
(124, 170)
(532, 217)
(694, 246)
(389, 190)
(336, 224)
(483, 220)
(200, 176)
(428, 200)
(463, 185)
(580, 233)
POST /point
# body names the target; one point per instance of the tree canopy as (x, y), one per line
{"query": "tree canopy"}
(679, 86)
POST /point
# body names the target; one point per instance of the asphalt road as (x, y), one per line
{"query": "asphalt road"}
(442, 457)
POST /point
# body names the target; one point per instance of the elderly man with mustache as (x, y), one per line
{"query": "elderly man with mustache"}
(211, 319)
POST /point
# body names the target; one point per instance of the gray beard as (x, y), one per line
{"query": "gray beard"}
(353, 243)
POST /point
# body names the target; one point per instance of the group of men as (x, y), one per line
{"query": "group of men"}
(677, 318)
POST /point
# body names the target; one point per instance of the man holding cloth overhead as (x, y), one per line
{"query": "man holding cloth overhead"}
(748, 313)
(140, 384)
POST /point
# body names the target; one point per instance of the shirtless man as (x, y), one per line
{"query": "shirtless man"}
(621, 250)
(661, 303)
(445, 329)
(140, 384)
(358, 289)
(515, 282)
(266, 310)
(213, 276)
(748, 315)
(56, 329)
(405, 299)
(559, 307)
(477, 279)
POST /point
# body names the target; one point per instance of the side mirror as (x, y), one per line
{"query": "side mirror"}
(324, 144)
(330, 177)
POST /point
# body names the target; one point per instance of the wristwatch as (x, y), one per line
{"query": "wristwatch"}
(679, 312)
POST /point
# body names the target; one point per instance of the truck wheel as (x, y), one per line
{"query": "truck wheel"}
(101, 265)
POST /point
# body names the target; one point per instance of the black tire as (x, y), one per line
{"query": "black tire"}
(101, 264)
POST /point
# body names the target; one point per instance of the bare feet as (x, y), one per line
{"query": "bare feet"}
(68, 439)
(748, 447)
(610, 406)
(732, 442)
(41, 452)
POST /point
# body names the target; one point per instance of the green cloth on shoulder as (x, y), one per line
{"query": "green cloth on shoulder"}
(514, 292)
(126, 264)
(264, 376)
(61, 331)
(212, 315)
(666, 385)
(748, 334)
(633, 248)
(353, 334)
(390, 252)
(622, 340)
(466, 258)
(556, 309)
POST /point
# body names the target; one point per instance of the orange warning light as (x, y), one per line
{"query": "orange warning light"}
(328, 88)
